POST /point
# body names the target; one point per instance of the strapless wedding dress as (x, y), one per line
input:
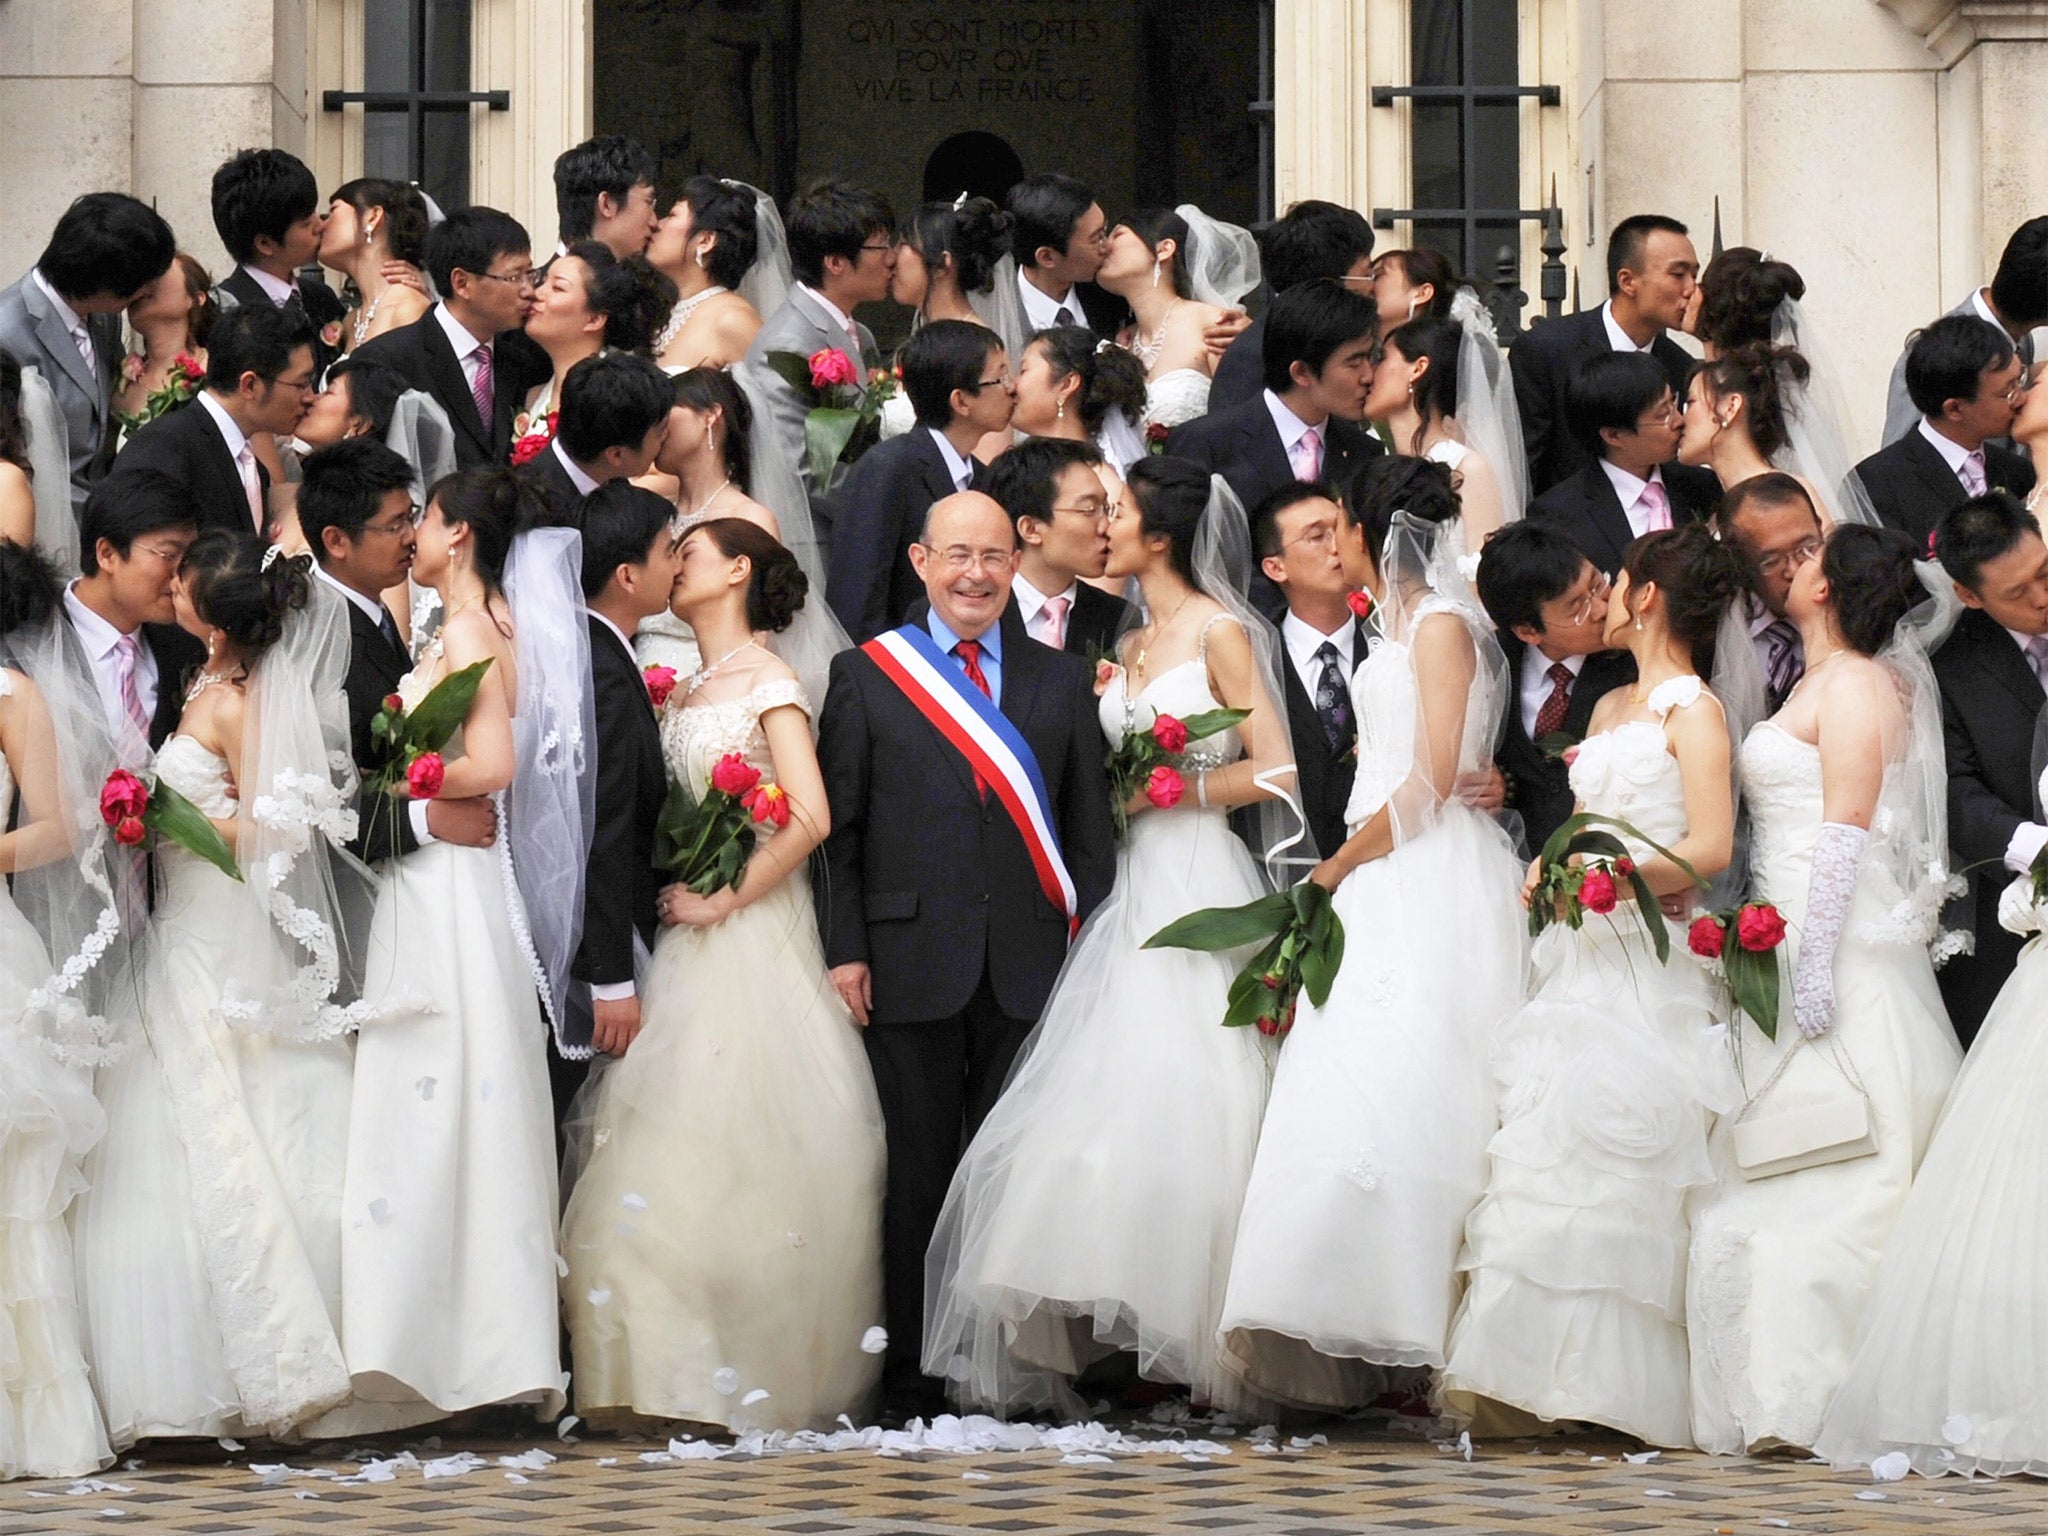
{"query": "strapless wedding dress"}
(1176, 396)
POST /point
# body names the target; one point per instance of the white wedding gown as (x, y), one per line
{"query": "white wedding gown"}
(448, 1216)
(1608, 1077)
(724, 1238)
(1782, 1268)
(208, 1245)
(1951, 1367)
(1176, 396)
(49, 1424)
(1096, 1207)
(1374, 1145)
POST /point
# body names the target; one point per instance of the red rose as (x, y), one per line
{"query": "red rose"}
(1171, 735)
(1157, 432)
(733, 776)
(423, 779)
(123, 797)
(1597, 893)
(1759, 926)
(1164, 787)
(1705, 937)
(190, 366)
(1268, 1026)
(1271, 981)
(768, 803)
(1623, 868)
(128, 832)
(830, 366)
(393, 704)
(661, 682)
(1361, 604)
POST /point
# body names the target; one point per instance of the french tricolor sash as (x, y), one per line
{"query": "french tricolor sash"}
(993, 747)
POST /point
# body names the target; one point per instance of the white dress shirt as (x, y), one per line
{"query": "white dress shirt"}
(1303, 640)
(957, 464)
(1630, 489)
(1042, 311)
(74, 323)
(1952, 452)
(1617, 338)
(583, 483)
(465, 343)
(102, 641)
(2029, 837)
(611, 991)
(1290, 426)
(376, 613)
(276, 289)
(845, 323)
(1535, 685)
(1031, 605)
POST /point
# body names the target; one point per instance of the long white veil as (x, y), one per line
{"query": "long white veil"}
(421, 435)
(768, 280)
(1001, 308)
(1487, 414)
(549, 813)
(1816, 416)
(1909, 832)
(1738, 682)
(49, 458)
(1222, 260)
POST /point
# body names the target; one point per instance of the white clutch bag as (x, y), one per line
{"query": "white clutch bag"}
(1814, 1110)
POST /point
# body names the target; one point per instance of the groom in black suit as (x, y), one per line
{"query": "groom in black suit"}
(936, 930)
(1991, 672)
(356, 510)
(630, 561)
(1053, 489)
(1652, 270)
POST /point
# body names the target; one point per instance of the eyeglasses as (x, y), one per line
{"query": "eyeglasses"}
(175, 555)
(959, 559)
(1084, 509)
(1582, 610)
(1318, 536)
(526, 279)
(1785, 561)
(411, 519)
(1101, 237)
(2016, 392)
(1663, 415)
(886, 245)
(306, 386)
(1006, 379)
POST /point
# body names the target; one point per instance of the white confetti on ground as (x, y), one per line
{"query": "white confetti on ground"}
(948, 1434)
(1955, 1429)
(1783, 1525)
(1465, 1444)
(89, 1485)
(1659, 1493)
(229, 1445)
(528, 1461)
(1871, 1495)
(598, 1296)
(974, 1477)
(1640, 1458)
(562, 1429)
(1891, 1466)
(514, 1477)
(758, 1395)
(460, 1463)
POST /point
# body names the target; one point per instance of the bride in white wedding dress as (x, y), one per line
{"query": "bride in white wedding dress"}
(1181, 272)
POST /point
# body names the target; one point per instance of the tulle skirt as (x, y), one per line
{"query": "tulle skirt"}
(1952, 1366)
(49, 1424)
(724, 1236)
(1096, 1208)
(448, 1214)
(1574, 1260)
(1374, 1145)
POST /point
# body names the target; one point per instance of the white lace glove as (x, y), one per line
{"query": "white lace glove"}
(1836, 854)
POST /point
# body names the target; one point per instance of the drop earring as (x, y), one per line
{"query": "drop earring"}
(1155, 271)
(703, 258)
(1060, 413)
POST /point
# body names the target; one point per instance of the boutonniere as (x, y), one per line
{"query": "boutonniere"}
(330, 335)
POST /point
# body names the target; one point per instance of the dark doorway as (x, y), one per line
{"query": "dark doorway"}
(976, 163)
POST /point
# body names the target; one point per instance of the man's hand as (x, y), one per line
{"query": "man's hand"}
(856, 988)
(1218, 337)
(404, 274)
(471, 823)
(616, 1024)
(1486, 791)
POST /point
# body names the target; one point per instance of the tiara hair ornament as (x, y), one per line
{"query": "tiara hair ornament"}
(270, 556)
(960, 202)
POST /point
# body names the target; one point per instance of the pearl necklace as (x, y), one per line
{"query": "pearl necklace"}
(680, 315)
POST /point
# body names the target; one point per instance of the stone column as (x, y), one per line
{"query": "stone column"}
(542, 52)
(67, 124)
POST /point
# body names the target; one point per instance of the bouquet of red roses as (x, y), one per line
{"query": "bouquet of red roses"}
(184, 380)
(410, 740)
(1745, 940)
(844, 418)
(706, 843)
(1302, 949)
(1582, 871)
(1151, 759)
(137, 811)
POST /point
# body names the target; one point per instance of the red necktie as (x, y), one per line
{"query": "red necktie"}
(1551, 716)
(969, 652)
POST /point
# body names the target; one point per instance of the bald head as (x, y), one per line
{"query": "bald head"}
(966, 558)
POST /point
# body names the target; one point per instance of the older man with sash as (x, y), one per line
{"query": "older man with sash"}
(971, 834)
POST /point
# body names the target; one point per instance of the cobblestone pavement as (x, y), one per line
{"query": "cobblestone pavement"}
(1360, 1482)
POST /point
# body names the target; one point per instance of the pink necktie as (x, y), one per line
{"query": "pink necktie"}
(126, 654)
(252, 484)
(1656, 505)
(1308, 454)
(130, 872)
(1056, 621)
(2037, 657)
(480, 388)
(1973, 472)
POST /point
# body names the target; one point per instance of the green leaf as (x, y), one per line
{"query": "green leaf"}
(1753, 980)
(1210, 721)
(1562, 840)
(677, 828)
(430, 723)
(827, 431)
(175, 819)
(794, 369)
(1555, 743)
(1653, 918)
(1249, 996)
(1321, 961)
(1215, 928)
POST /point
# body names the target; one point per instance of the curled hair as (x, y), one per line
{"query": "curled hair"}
(1422, 488)
(1699, 577)
(1872, 581)
(976, 235)
(712, 389)
(1740, 293)
(1172, 494)
(30, 589)
(232, 591)
(634, 299)
(727, 211)
(1436, 338)
(1111, 376)
(1153, 225)
(404, 209)
(494, 504)
(1759, 374)
(777, 587)
(1422, 265)
(13, 426)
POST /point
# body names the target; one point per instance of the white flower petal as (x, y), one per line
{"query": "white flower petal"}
(633, 1202)
(758, 1395)
(1891, 1466)
(725, 1381)
(1955, 1429)
(874, 1341)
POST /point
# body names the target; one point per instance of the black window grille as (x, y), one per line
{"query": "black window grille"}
(416, 98)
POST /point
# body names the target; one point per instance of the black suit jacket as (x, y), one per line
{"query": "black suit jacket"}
(1092, 624)
(1990, 702)
(177, 655)
(876, 516)
(929, 884)
(1241, 371)
(1323, 773)
(185, 447)
(421, 353)
(1912, 487)
(321, 304)
(564, 501)
(621, 885)
(1539, 786)
(375, 667)
(1586, 507)
(1542, 362)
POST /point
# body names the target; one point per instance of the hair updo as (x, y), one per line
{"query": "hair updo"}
(1422, 488)
(1111, 376)
(1872, 583)
(1153, 225)
(233, 591)
(778, 586)
(29, 587)
(1699, 577)
(1423, 265)
(1740, 292)
(1759, 373)
(634, 299)
(1435, 337)
(975, 233)
(494, 504)
(1172, 494)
